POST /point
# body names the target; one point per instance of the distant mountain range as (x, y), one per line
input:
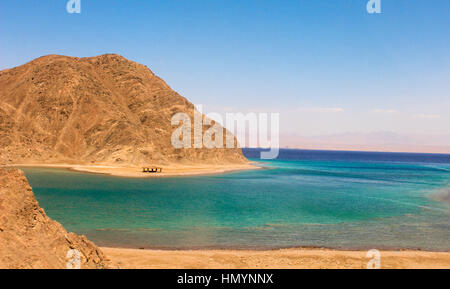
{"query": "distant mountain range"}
(374, 141)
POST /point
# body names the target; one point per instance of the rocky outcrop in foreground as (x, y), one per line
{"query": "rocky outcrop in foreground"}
(30, 239)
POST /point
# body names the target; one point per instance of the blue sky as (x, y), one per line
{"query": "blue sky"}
(326, 65)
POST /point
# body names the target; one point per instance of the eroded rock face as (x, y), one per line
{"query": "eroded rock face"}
(103, 110)
(29, 238)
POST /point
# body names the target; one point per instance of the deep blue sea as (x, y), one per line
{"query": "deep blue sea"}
(351, 200)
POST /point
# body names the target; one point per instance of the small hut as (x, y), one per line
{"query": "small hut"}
(152, 170)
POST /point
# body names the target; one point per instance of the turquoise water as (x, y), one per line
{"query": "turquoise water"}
(338, 201)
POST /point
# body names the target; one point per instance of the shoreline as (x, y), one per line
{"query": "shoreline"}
(136, 172)
(292, 258)
(274, 248)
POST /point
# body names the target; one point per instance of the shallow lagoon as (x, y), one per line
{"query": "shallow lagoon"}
(304, 198)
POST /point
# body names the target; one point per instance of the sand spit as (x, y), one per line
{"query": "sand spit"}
(136, 172)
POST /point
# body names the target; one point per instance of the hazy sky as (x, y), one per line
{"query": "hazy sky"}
(326, 65)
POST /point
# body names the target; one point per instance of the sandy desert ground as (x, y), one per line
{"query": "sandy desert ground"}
(273, 259)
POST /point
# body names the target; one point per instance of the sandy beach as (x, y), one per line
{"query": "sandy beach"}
(136, 172)
(273, 259)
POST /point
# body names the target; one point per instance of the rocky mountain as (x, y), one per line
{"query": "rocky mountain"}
(30, 239)
(102, 110)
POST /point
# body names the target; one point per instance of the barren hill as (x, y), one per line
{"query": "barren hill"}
(97, 110)
(30, 239)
